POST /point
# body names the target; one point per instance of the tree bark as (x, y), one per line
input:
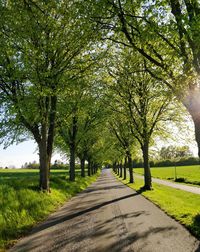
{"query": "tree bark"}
(89, 167)
(73, 148)
(92, 168)
(197, 133)
(120, 169)
(147, 172)
(115, 167)
(130, 167)
(44, 161)
(125, 165)
(45, 142)
(82, 167)
(192, 104)
(72, 163)
(44, 169)
(95, 168)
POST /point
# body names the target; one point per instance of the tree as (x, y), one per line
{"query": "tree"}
(42, 43)
(119, 126)
(141, 100)
(165, 34)
(82, 114)
(172, 152)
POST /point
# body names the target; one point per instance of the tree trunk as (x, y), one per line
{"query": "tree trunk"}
(192, 104)
(44, 169)
(73, 134)
(196, 120)
(82, 167)
(120, 167)
(130, 168)
(114, 167)
(44, 161)
(197, 134)
(72, 163)
(95, 168)
(89, 167)
(125, 165)
(147, 172)
(45, 142)
(92, 168)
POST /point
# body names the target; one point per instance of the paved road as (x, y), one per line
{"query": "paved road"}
(183, 187)
(109, 217)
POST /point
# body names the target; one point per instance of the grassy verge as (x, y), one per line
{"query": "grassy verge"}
(22, 205)
(182, 206)
(184, 174)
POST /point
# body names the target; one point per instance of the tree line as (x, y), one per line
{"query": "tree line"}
(97, 79)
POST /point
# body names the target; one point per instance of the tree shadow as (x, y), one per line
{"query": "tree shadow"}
(103, 188)
(122, 243)
(195, 227)
(56, 221)
(71, 228)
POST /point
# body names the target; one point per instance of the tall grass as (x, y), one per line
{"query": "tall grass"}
(22, 204)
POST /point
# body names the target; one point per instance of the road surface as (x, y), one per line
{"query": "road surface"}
(110, 217)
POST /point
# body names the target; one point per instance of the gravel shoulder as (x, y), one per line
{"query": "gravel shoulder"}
(109, 216)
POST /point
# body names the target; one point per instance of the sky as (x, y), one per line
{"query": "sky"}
(17, 155)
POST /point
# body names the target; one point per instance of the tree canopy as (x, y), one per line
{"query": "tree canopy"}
(96, 78)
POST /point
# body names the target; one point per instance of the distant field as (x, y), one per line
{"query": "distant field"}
(191, 174)
(24, 173)
(22, 204)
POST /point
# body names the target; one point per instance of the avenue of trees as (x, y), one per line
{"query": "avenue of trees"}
(97, 80)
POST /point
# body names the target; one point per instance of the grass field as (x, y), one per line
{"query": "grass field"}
(189, 174)
(183, 206)
(22, 205)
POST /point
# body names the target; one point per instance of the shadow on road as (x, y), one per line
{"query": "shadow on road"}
(77, 226)
(77, 214)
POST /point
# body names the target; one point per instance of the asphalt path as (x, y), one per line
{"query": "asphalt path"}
(179, 186)
(109, 216)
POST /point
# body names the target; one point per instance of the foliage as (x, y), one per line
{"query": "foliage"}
(58, 165)
(171, 152)
(166, 163)
(22, 206)
(166, 35)
(140, 101)
(42, 49)
(31, 165)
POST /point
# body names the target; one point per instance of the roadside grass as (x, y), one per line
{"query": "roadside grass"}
(185, 174)
(182, 206)
(22, 205)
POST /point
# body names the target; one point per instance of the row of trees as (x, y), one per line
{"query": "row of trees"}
(46, 51)
(172, 152)
(97, 79)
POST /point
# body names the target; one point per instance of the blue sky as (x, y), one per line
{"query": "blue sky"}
(17, 155)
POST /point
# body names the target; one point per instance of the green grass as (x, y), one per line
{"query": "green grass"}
(190, 174)
(22, 205)
(182, 206)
